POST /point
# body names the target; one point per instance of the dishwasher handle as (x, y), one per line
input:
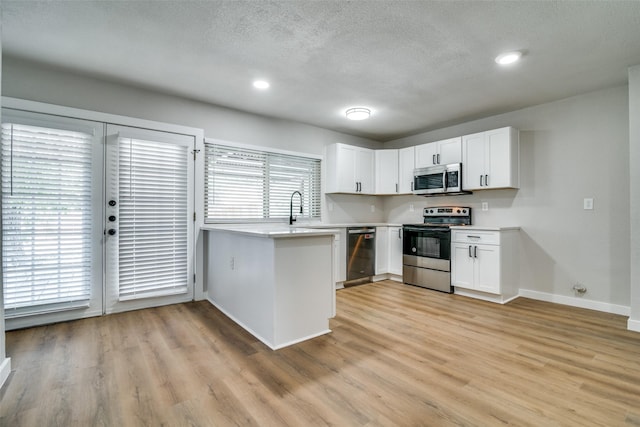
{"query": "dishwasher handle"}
(361, 230)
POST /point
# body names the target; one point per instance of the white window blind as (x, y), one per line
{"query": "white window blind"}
(153, 219)
(250, 184)
(46, 218)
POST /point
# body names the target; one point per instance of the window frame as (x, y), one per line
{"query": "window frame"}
(267, 151)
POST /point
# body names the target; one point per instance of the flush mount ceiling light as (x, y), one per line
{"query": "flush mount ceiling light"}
(508, 57)
(261, 84)
(358, 113)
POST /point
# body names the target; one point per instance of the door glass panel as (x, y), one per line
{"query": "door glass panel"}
(51, 175)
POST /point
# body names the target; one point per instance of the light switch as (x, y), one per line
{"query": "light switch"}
(588, 203)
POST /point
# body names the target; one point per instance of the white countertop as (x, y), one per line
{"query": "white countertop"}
(273, 231)
(483, 227)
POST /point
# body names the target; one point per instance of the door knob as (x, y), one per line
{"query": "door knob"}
(112, 202)
(111, 231)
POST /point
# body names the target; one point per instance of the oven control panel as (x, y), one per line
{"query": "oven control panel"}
(447, 211)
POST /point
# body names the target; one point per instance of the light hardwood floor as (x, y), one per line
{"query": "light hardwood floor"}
(398, 356)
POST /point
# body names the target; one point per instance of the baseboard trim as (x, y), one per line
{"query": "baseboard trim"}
(577, 302)
(633, 325)
(5, 370)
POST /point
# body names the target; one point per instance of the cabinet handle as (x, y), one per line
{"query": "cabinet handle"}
(486, 180)
(472, 237)
(411, 185)
(475, 252)
(438, 158)
(399, 233)
(396, 187)
(470, 256)
(480, 180)
(433, 159)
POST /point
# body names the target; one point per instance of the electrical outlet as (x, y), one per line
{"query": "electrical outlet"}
(485, 206)
(373, 208)
(411, 208)
(588, 203)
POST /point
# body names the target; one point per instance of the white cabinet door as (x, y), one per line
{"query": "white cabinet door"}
(406, 164)
(498, 159)
(473, 161)
(449, 151)
(462, 265)
(365, 170)
(395, 250)
(382, 250)
(487, 268)
(425, 155)
(386, 172)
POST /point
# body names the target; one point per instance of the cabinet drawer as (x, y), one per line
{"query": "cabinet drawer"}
(477, 237)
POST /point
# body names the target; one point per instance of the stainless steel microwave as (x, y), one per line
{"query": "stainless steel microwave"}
(440, 179)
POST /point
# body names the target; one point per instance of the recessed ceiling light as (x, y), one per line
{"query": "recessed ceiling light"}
(358, 113)
(508, 57)
(261, 84)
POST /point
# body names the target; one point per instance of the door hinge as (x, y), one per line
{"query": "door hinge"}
(194, 217)
(195, 153)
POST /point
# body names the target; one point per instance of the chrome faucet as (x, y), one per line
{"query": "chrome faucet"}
(291, 218)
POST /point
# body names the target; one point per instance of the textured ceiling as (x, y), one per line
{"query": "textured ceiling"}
(419, 65)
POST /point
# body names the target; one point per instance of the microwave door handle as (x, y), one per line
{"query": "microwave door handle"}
(444, 180)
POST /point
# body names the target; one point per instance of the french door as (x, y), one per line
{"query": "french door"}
(149, 228)
(95, 218)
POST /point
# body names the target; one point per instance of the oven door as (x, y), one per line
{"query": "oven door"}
(427, 242)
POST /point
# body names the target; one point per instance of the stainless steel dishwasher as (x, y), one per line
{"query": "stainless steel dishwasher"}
(361, 252)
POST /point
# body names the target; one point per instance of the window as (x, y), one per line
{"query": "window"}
(244, 184)
(46, 217)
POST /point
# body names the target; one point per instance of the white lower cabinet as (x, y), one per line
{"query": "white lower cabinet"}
(395, 250)
(484, 263)
(389, 251)
(382, 250)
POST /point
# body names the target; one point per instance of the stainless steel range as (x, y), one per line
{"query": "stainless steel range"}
(426, 254)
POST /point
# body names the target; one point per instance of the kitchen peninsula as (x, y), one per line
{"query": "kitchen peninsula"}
(274, 280)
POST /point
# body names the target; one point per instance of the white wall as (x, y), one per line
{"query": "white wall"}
(570, 149)
(36, 82)
(634, 166)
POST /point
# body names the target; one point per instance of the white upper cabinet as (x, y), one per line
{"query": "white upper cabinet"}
(350, 169)
(386, 171)
(406, 164)
(491, 159)
(439, 153)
